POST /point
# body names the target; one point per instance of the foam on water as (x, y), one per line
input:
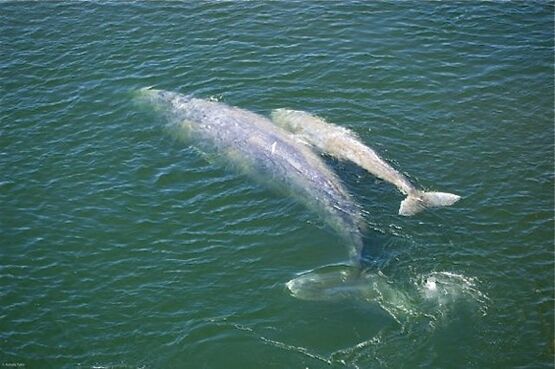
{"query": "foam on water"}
(442, 291)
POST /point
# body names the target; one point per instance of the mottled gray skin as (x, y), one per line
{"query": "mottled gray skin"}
(257, 147)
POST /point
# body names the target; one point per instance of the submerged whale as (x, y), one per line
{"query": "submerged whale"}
(255, 146)
(344, 145)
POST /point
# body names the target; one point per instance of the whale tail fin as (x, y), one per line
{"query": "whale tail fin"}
(418, 201)
(348, 282)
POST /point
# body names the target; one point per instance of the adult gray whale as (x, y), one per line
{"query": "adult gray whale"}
(266, 152)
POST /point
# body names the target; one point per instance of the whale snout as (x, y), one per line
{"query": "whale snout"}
(153, 97)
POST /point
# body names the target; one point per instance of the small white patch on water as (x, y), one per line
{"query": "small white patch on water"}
(431, 284)
(215, 98)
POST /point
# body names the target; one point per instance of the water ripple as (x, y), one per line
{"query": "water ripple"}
(124, 247)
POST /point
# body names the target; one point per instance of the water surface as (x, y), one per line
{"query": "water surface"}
(124, 247)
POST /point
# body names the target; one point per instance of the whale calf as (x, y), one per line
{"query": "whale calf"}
(255, 146)
(345, 145)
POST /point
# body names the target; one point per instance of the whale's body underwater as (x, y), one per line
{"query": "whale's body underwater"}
(266, 152)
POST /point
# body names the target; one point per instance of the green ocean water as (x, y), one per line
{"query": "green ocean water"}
(123, 247)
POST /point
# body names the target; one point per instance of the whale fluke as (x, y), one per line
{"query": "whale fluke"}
(415, 203)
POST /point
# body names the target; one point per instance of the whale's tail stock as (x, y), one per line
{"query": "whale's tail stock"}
(419, 200)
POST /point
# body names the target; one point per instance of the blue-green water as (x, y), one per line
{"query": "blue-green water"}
(122, 247)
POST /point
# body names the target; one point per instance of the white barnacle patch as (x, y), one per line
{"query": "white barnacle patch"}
(274, 147)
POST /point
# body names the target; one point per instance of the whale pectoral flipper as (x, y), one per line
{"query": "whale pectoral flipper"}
(344, 144)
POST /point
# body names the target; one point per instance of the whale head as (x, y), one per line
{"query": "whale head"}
(154, 97)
